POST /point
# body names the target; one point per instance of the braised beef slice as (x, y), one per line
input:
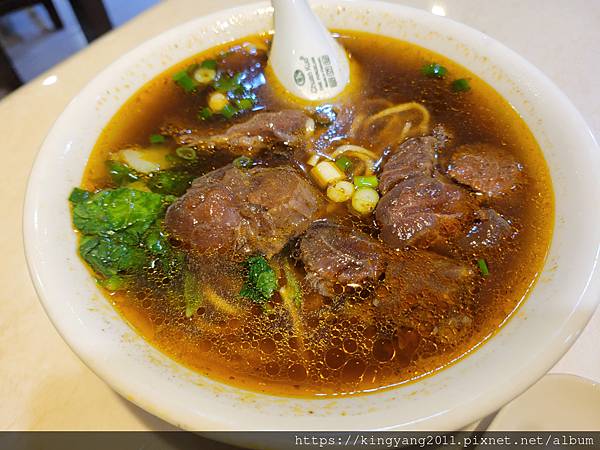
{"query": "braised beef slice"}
(421, 277)
(486, 168)
(489, 231)
(241, 212)
(335, 130)
(406, 343)
(423, 210)
(264, 130)
(412, 158)
(333, 254)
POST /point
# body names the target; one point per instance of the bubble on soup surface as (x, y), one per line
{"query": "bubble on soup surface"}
(335, 358)
(350, 346)
(297, 372)
(383, 350)
(353, 370)
(272, 368)
(267, 345)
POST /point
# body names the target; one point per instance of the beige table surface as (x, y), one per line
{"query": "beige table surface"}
(43, 385)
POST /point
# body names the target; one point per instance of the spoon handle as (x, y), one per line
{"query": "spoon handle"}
(304, 57)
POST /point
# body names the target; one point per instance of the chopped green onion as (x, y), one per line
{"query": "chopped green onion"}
(370, 181)
(461, 85)
(483, 267)
(209, 64)
(186, 153)
(157, 139)
(204, 76)
(434, 70)
(185, 81)
(243, 162)
(344, 163)
(205, 113)
(244, 103)
(228, 111)
(226, 83)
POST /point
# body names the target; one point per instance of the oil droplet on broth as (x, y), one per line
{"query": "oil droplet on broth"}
(335, 358)
(297, 372)
(353, 370)
(383, 350)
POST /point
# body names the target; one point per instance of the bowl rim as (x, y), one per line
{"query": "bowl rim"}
(448, 419)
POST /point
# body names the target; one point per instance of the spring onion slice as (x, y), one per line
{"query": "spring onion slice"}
(483, 267)
(186, 153)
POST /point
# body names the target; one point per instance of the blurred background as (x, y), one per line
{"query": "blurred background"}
(36, 35)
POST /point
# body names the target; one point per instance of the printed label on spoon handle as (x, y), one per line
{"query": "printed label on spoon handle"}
(317, 72)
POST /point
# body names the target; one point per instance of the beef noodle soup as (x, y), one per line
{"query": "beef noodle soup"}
(321, 249)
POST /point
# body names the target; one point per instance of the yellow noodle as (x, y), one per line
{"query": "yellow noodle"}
(402, 107)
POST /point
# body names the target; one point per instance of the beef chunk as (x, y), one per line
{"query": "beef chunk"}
(244, 211)
(487, 169)
(454, 329)
(412, 158)
(489, 231)
(338, 120)
(419, 276)
(263, 130)
(423, 210)
(333, 254)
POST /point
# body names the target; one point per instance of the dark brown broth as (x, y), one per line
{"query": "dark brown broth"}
(342, 348)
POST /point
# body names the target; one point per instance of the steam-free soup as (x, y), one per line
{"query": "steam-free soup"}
(325, 249)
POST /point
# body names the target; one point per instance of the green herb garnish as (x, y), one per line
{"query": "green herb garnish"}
(244, 104)
(186, 153)
(120, 173)
(226, 83)
(156, 241)
(191, 294)
(370, 181)
(205, 113)
(168, 182)
(79, 195)
(122, 234)
(209, 64)
(157, 139)
(261, 280)
(228, 111)
(344, 163)
(110, 255)
(483, 267)
(183, 79)
(434, 70)
(114, 283)
(109, 211)
(292, 289)
(461, 85)
(243, 162)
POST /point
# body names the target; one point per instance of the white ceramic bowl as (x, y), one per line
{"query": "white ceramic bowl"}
(548, 323)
